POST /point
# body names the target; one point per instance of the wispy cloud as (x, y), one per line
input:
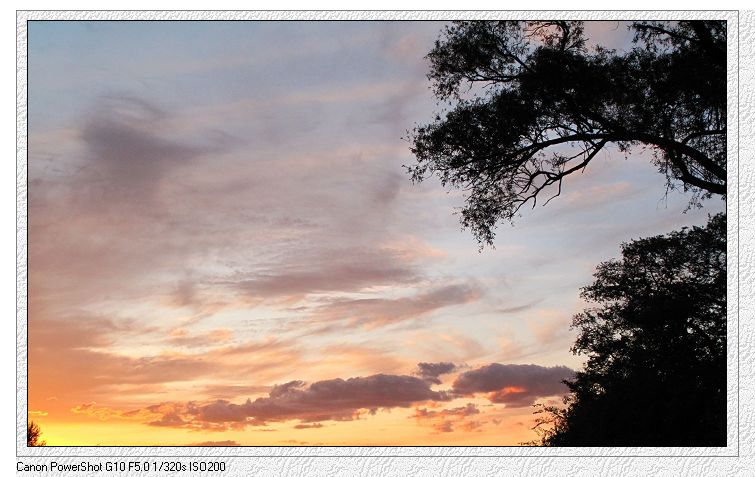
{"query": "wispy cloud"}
(447, 420)
(65, 349)
(130, 151)
(182, 337)
(371, 313)
(314, 425)
(330, 270)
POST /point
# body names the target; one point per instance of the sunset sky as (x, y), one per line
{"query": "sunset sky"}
(224, 247)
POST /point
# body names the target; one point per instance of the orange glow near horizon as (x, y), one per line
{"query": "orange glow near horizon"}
(394, 428)
(125, 423)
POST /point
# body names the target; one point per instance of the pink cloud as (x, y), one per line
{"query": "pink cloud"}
(446, 420)
(330, 270)
(371, 313)
(516, 385)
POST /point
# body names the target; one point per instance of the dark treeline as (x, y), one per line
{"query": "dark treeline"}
(656, 348)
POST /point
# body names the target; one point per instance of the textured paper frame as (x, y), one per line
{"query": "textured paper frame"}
(729, 460)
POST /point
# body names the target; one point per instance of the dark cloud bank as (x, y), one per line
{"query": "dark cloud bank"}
(347, 399)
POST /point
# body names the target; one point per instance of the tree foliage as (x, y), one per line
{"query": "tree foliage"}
(34, 435)
(656, 348)
(531, 103)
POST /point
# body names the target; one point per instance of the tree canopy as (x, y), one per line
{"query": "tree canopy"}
(34, 435)
(655, 346)
(531, 103)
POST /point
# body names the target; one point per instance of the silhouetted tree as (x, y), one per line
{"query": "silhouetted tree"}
(532, 104)
(34, 435)
(655, 346)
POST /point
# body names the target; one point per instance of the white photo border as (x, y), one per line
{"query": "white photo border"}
(452, 460)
